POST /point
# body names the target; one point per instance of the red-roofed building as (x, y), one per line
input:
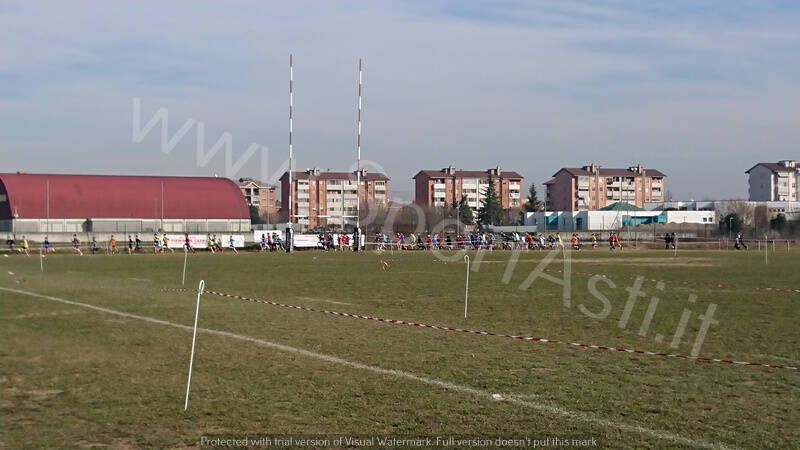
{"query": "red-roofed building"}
(772, 182)
(83, 203)
(592, 188)
(328, 199)
(441, 187)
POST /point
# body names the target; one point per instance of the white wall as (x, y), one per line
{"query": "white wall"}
(761, 184)
(610, 220)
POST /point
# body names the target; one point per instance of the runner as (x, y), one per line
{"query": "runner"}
(130, 245)
(263, 243)
(575, 242)
(95, 246)
(10, 243)
(187, 243)
(210, 243)
(76, 244)
(156, 244)
(137, 244)
(740, 242)
(231, 245)
(46, 245)
(165, 245)
(25, 246)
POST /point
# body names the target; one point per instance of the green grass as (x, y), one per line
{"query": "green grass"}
(81, 377)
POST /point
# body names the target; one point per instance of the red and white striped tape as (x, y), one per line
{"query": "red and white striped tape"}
(489, 333)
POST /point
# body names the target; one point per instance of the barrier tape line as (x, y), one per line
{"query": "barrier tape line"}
(488, 333)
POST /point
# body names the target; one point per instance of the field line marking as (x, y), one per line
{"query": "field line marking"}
(323, 300)
(579, 416)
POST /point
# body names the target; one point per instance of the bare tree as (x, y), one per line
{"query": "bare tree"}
(741, 208)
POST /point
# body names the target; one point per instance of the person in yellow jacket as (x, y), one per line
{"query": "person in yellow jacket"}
(24, 248)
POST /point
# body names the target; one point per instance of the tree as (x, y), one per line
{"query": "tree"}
(491, 212)
(761, 217)
(732, 223)
(533, 204)
(465, 214)
(255, 217)
(778, 223)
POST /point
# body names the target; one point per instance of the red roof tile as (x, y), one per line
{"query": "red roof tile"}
(469, 174)
(371, 176)
(111, 196)
(610, 172)
(775, 167)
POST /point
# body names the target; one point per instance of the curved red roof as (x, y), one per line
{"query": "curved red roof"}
(25, 195)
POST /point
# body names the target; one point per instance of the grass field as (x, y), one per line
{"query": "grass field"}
(72, 376)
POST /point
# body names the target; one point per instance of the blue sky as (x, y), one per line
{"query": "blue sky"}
(699, 90)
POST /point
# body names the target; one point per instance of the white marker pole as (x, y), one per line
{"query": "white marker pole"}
(466, 291)
(185, 254)
(766, 250)
(675, 244)
(194, 338)
(41, 261)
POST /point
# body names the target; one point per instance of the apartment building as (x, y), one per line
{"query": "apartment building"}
(328, 199)
(441, 187)
(773, 182)
(261, 195)
(592, 187)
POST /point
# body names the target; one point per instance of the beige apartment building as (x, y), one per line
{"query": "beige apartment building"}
(774, 182)
(261, 195)
(328, 199)
(592, 187)
(441, 187)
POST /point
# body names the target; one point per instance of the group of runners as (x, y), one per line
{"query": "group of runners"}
(489, 241)
(412, 241)
(328, 241)
(160, 244)
(270, 242)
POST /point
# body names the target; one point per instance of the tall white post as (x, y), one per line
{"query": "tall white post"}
(194, 338)
(47, 196)
(291, 155)
(466, 290)
(358, 158)
(185, 254)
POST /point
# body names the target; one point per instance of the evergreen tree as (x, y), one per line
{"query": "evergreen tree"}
(255, 217)
(533, 204)
(465, 214)
(491, 212)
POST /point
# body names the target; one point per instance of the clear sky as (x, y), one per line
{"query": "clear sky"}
(698, 89)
